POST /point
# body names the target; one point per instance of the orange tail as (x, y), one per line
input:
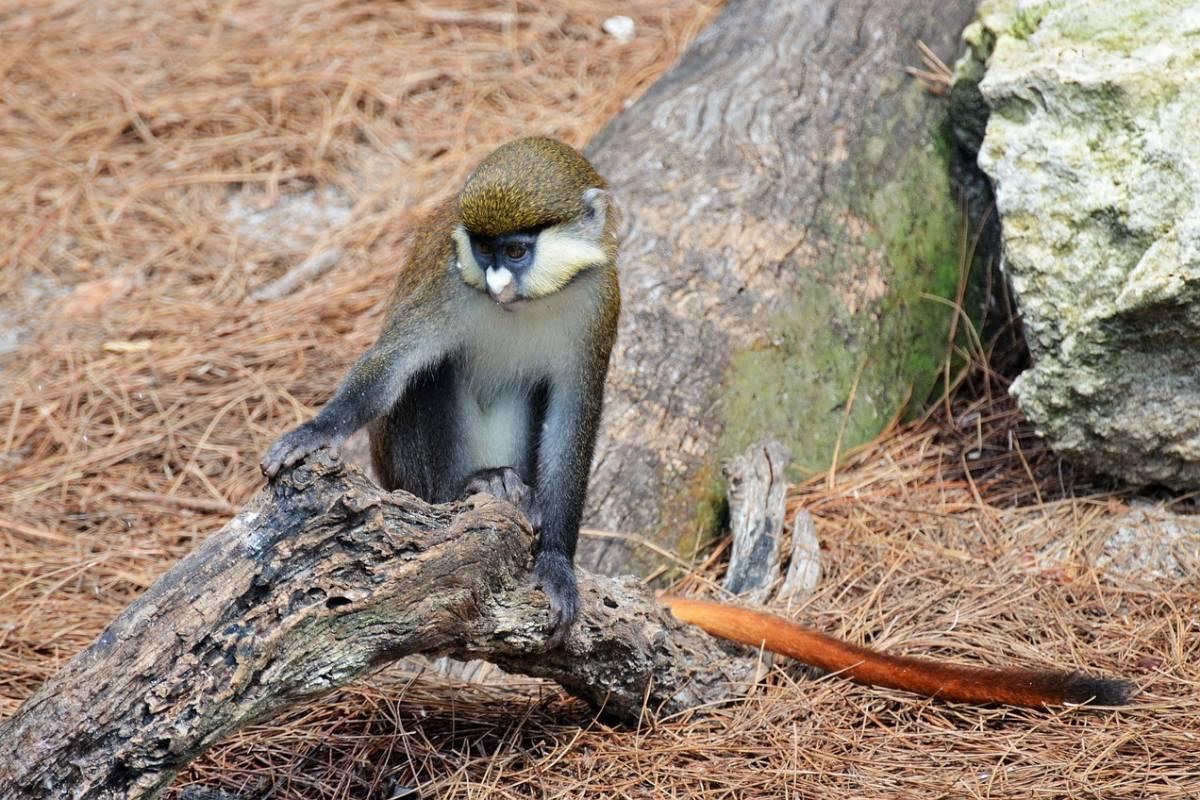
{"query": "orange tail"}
(1015, 687)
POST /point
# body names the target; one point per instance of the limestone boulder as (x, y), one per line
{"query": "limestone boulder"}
(1093, 148)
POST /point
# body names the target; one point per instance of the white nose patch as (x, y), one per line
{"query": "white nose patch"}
(498, 279)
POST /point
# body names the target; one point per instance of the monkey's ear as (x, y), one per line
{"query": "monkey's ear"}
(596, 204)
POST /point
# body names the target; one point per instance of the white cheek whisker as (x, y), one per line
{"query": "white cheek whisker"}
(561, 253)
(468, 267)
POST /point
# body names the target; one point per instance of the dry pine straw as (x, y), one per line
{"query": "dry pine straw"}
(131, 425)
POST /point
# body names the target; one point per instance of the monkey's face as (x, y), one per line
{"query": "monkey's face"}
(504, 261)
(531, 217)
(526, 265)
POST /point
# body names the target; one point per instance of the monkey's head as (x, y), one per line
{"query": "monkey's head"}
(532, 216)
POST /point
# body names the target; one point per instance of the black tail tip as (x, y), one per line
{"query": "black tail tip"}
(1097, 691)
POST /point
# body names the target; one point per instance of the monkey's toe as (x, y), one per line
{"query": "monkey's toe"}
(505, 483)
(555, 577)
(532, 510)
(502, 482)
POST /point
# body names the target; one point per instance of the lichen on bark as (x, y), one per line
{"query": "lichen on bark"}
(832, 369)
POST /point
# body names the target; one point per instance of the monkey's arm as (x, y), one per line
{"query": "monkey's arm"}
(409, 342)
(564, 459)
(1015, 687)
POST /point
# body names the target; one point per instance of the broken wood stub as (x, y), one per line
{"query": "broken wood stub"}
(321, 577)
(804, 566)
(757, 484)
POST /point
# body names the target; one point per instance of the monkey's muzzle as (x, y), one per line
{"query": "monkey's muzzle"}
(501, 285)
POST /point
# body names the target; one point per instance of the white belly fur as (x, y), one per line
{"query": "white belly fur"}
(493, 428)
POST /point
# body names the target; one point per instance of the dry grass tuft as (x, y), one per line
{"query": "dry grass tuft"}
(163, 161)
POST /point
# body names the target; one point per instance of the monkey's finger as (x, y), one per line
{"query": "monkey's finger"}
(270, 464)
(557, 633)
(298, 454)
(500, 487)
(533, 513)
(286, 458)
(278, 456)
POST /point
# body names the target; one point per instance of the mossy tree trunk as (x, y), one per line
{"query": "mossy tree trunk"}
(788, 211)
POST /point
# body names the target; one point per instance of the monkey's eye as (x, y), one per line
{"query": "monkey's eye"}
(484, 248)
(515, 251)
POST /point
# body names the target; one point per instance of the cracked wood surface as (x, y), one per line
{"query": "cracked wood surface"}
(321, 577)
(738, 174)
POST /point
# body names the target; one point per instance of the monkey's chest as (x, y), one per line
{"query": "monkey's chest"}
(502, 376)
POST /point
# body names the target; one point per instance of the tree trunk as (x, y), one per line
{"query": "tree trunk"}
(788, 214)
(320, 578)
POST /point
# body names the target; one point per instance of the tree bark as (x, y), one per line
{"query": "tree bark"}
(788, 214)
(320, 578)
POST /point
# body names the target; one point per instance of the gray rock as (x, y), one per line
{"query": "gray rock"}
(1093, 146)
(1147, 542)
(1152, 543)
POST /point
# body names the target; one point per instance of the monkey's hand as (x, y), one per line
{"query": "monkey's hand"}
(556, 577)
(296, 444)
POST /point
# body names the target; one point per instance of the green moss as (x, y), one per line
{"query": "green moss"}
(921, 226)
(706, 511)
(1117, 27)
(692, 520)
(1015, 109)
(817, 356)
(796, 388)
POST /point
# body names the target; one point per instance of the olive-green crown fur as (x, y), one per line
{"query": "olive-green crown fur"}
(526, 183)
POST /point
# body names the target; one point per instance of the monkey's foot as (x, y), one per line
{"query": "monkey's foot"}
(506, 484)
(295, 445)
(556, 577)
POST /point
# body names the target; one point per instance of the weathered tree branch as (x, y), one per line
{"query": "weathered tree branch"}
(318, 579)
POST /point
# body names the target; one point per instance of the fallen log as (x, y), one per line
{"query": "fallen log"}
(320, 578)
